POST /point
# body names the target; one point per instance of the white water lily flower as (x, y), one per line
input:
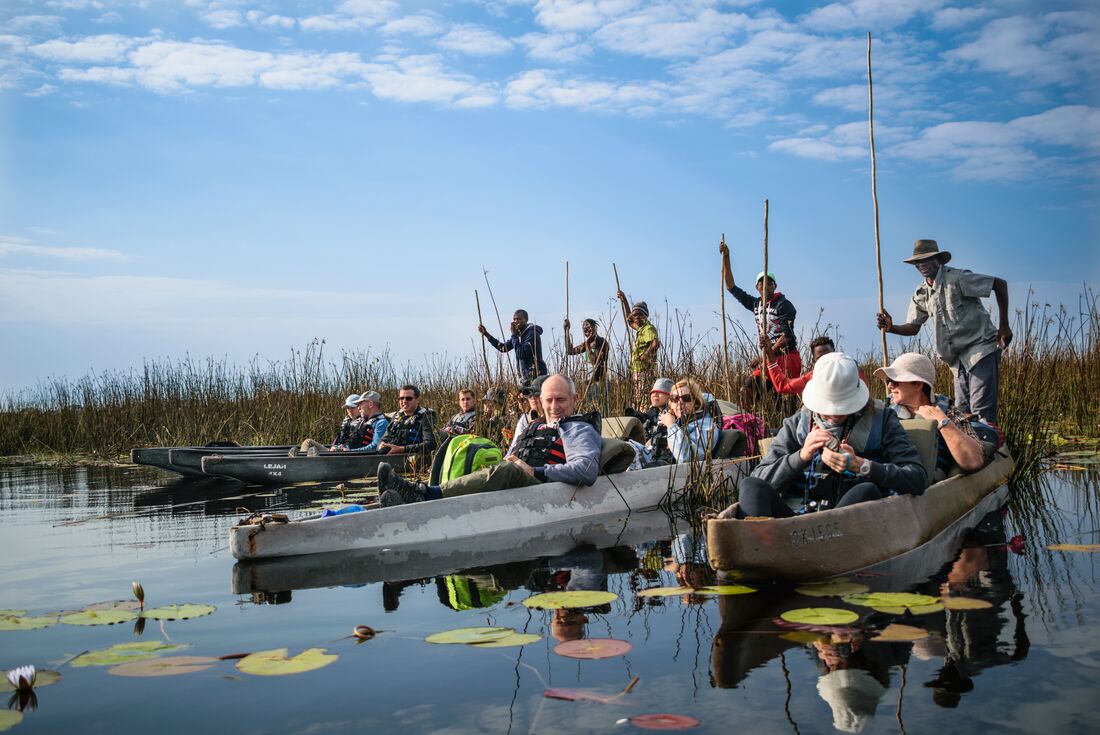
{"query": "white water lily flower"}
(22, 678)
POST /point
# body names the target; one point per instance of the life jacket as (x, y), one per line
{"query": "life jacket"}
(363, 433)
(405, 430)
(468, 453)
(347, 430)
(541, 445)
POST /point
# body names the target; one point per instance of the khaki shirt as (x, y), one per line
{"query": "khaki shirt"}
(964, 332)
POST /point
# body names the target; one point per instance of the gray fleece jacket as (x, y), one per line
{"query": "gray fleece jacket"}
(581, 443)
(901, 469)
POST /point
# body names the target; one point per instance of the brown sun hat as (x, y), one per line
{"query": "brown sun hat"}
(925, 249)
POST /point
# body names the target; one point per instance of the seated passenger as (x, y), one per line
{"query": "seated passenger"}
(692, 430)
(412, 427)
(347, 429)
(656, 433)
(490, 421)
(842, 448)
(909, 380)
(562, 447)
(783, 384)
(463, 421)
(372, 426)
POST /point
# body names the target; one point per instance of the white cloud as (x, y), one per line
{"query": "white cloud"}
(868, 15)
(32, 22)
(951, 19)
(420, 24)
(668, 30)
(18, 246)
(425, 79)
(817, 148)
(579, 15)
(1057, 48)
(221, 19)
(351, 15)
(42, 91)
(559, 47)
(475, 40)
(540, 88)
(94, 49)
(261, 19)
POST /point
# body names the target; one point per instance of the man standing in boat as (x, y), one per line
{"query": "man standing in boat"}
(964, 333)
(526, 340)
(412, 428)
(643, 360)
(562, 447)
(595, 348)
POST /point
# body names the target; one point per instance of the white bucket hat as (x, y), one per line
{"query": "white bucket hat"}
(910, 367)
(835, 388)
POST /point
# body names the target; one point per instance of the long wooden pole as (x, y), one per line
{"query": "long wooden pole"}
(565, 356)
(484, 355)
(725, 339)
(874, 193)
(764, 300)
(626, 313)
(484, 272)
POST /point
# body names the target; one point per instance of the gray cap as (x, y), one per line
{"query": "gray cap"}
(351, 401)
(662, 385)
(371, 395)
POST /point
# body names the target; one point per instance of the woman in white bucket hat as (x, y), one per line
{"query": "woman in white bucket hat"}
(841, 448)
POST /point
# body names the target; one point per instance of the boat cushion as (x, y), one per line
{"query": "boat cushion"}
(623, 427)
(616, 455)
(925, 435)
(731, 443)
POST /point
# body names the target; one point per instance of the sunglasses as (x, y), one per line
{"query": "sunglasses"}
(406, 398)
(685, 398)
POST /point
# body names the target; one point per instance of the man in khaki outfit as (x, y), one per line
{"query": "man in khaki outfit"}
(964, 334)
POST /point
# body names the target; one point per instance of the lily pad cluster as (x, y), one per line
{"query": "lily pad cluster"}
(573, 599)
(716, 589)
(483, 637)
(101, 613)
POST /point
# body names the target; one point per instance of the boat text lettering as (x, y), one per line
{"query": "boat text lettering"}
(815, 534)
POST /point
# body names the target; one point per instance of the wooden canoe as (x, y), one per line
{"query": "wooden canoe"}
(284, 470)
(181, 459)
(839, 541)
(450, 519)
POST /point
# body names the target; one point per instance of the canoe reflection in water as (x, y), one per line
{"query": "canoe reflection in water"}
(855, 671)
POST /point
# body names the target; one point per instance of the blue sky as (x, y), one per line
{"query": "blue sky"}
(235, 178)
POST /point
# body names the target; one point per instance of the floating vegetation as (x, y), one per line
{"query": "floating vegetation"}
(803, 636)
(98, 617)
(717, 589)
(509, 641)
(18, 622)
(9, 718)
(664, 721)
(593, 648)
(906, 610)
(178, 612)
(1074, 547)
(878, 600)
(166, 666)
(124, 653)
(42, 678)
(897, 633)
(580, 695)
(820, 616)
(276, 662)
(570, 599)
(833, 588)
(470, 635)
(132, 605)
(966, 603)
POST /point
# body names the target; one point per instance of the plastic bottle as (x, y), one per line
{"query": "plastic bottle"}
(341, 511)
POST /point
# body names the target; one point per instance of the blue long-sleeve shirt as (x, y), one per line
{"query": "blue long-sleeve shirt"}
(528, 347)
(381, 423)
(695, 440)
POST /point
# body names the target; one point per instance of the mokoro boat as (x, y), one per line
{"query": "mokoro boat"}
(189, 459)
(844, 540)
(284, 470)
(450, 519)
(161, 457)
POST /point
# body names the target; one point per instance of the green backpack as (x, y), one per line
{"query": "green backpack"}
(468, 453)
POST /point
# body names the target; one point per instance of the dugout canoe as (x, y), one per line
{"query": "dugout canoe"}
(161, 457)
(188, 460)
(283, 470)
(845, 540)
(443, 522)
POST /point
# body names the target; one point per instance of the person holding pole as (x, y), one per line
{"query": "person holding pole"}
(643, 358)
(595, 348)
(964, 334)
(779, 315)
(526, 340)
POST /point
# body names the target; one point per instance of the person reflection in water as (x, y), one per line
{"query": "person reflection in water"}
(855, 676)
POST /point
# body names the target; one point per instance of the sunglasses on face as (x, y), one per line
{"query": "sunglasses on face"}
(685, 398)
(406, 398)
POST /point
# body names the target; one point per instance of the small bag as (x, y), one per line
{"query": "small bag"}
(467, 453)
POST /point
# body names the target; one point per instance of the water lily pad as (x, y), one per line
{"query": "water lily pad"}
(966, 603)
(836, 588)
(9, 718)
(570, 599)
(124, 653)
(725, 589)
(470, 635)
(132, 605)
(98, 617)
(515, 639)
(820, 616)
(593, 648)
(915, 610)
(1074, 547)
(31, 623)
(42, 678)
(802, 636)
(665, 591)
(12, 613)
(166, 666)
(178, 612)
(895, 633)
(890, 599)
(664, 721)
(277, 663)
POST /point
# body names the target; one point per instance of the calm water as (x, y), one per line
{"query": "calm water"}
(69, 538)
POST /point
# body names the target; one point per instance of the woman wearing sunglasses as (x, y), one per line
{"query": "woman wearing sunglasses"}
(692, 431)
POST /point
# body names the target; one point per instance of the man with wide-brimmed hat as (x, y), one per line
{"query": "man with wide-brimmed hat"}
(964, 334)
(842, 448)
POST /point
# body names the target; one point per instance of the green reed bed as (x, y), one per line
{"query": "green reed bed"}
(1049, 380)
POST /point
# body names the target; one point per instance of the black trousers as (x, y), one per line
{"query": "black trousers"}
(758, 498)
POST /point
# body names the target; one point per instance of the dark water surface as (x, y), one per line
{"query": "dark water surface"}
(72, 537)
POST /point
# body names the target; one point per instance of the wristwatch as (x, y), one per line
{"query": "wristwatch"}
(865, 468)
(943, 422)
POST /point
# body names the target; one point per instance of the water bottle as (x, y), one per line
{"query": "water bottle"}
(341, 511)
